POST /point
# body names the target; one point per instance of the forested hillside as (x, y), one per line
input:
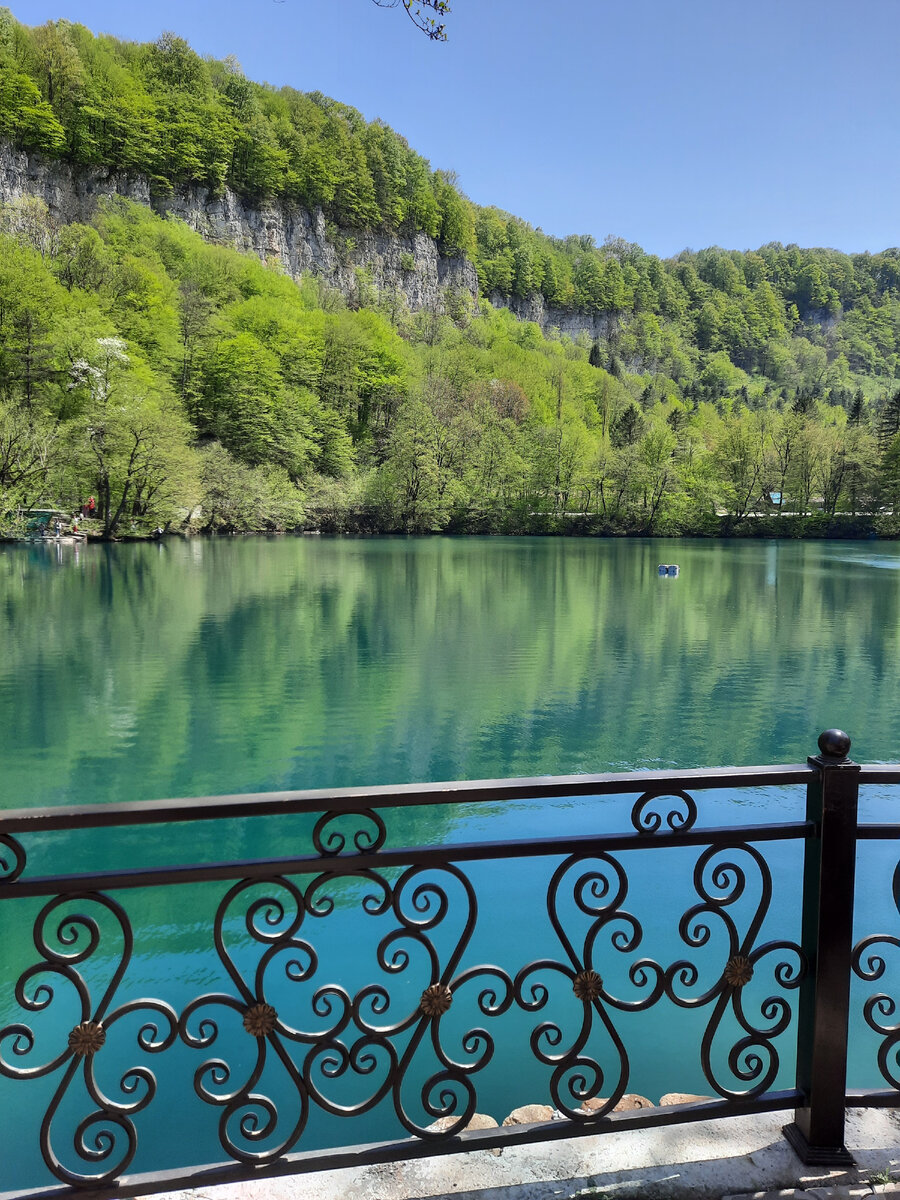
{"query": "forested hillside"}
(180, 382)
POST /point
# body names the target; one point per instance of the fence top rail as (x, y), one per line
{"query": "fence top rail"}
(209, 808)
(880, 773)
(382, 859)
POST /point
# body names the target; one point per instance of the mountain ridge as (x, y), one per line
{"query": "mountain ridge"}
(301, 241)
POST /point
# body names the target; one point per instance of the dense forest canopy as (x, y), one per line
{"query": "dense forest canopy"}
(181, 382)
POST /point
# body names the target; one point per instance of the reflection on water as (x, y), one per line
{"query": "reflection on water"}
(181, 668)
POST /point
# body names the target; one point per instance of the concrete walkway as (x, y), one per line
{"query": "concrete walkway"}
(737, 1156)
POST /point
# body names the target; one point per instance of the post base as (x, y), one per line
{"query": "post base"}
(816, 1156)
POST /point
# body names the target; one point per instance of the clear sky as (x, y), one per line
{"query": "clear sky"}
(671, 123)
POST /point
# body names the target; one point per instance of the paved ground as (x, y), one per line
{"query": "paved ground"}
(843, 1192)
(738, 1156)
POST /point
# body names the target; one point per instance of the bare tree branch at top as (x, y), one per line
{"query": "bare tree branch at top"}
(418, 10)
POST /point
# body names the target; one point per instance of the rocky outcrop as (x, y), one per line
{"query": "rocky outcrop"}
(69, 194)
(567, 322)
(302, 242)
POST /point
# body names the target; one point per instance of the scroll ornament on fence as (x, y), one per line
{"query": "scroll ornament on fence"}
(12, 858)
(722, 875)
(68, 932)
(592, 1058)
(375, 1035)
(880, 1007)
(283, 1038)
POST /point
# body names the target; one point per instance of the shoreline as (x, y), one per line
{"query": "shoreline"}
(815, 527)
(694, 535)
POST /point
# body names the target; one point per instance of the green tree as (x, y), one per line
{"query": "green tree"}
(239, 498)
(243, 403)
(26, 119)
(741, 456)
(27, 449)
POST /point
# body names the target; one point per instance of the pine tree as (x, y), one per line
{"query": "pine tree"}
(857, 407)
(889, 420)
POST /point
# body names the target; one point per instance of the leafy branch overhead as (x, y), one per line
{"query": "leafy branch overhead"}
(418, 12)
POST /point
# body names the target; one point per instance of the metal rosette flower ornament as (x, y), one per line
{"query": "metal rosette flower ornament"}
(255, 931)
(437, 911)
(68, 932)
(580, 1042)
(870, 964)
(264, 936)
(738, 1050)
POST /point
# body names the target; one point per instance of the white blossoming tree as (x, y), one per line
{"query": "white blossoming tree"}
(130, 440)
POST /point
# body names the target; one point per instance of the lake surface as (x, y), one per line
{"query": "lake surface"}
(187, 668)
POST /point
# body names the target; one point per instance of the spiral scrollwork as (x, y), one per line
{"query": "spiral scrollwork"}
(870, 964)
(355, 1038)
(366, 830)
(271, 914)
(283, 1038)
(12, 858)
(590, 892)
(104, 1140)
(731, 881)
(648, 816)
(69, 931)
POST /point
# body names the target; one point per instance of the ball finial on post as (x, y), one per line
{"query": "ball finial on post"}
(834, 745)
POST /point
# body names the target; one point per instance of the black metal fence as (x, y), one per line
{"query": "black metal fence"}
(418, 1036)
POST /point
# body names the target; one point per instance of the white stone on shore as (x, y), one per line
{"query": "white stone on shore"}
(530, 1114)
(681, 1098)
(478, 1121)
(630, 1102)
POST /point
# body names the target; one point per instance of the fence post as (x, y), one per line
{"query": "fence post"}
(829, 868)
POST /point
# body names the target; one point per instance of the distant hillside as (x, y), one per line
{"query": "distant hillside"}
(161, 111)
(634, 395)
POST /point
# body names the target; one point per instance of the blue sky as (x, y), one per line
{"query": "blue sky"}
(670, 124)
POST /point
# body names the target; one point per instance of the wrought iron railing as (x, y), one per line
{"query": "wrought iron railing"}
(87, 1058)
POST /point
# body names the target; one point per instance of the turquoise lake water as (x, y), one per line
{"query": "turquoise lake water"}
(188, 668)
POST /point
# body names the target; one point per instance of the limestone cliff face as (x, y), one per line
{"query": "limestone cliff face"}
(70, 195)
(566, 321)
(301, 241)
